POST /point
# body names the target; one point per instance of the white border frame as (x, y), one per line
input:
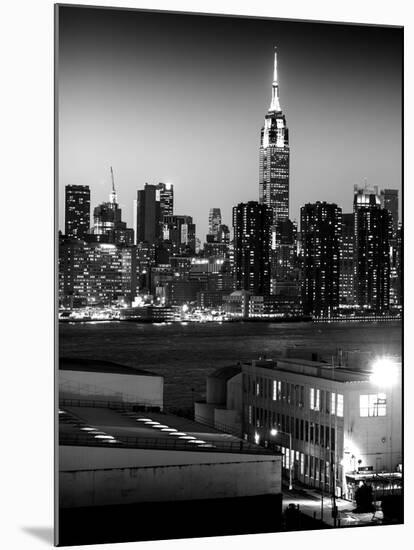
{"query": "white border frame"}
(27, 266)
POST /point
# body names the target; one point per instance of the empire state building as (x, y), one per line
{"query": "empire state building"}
(274, 157)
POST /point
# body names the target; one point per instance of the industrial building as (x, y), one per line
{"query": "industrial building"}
(124, 459)
(335, 425)
(331, 423)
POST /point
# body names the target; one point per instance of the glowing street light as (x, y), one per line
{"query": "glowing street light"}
(384, 372)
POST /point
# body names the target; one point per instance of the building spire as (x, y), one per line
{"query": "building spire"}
(112, 196)
(275, 104)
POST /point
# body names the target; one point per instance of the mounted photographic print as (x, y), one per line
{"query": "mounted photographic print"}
(229, 278)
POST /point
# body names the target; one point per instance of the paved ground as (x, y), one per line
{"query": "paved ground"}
(310, 504)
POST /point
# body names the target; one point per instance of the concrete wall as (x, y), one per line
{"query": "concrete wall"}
(234, 398)
(204, 413)
(117, 387)
(229, 418)
(216, 479)
(96, 458)
(216, 390)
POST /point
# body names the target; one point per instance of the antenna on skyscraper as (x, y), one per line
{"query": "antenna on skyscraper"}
(112, 196)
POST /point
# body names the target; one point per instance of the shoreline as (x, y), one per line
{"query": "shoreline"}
(348, 320)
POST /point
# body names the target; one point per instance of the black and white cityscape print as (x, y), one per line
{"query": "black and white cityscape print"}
(230, 288)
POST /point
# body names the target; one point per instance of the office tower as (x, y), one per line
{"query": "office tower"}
(396, 283)
(96, 274)
(274, 157)
(181, 232)
(77, 210)
(251, 224)
(165, 196)
(389, 201)
(214, 221)
(148, 214)
(321, 227)
(284, 236)
(274, 179)
(373, 231)
(108, 226)
(218, 244)
(346, 261)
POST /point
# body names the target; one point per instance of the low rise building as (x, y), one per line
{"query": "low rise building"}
(95, 380)
(330, 423)
(124, 462)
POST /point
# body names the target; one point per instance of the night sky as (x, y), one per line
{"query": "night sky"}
(181, 98)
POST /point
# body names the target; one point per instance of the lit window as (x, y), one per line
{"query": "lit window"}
(317, 400)
(274, 392)
(340, 405)
(374, 404)
(333, 400)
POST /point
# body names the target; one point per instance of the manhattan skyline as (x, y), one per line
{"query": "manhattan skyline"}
(162, 100)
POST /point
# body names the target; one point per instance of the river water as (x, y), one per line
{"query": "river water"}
(186, 353)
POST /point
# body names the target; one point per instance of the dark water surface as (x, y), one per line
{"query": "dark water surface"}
(186, 354)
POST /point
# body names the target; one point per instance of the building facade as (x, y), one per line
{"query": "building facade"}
(214, 221)
(77, 211)
(147, 216)
(389, 201)
(373, 231)
(332, 424)
(165, 196)
(346, 261)
(251, 224)
(321, 228)
(274, 157)
(96, 274)
(180, 231)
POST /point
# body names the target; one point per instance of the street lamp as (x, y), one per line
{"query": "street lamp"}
(274, 432)
(384, 372)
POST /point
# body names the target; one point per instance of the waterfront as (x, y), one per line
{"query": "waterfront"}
(186, 353)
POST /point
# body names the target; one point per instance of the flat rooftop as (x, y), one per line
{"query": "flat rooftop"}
(97, 365)
(99, 426)
(314, 369)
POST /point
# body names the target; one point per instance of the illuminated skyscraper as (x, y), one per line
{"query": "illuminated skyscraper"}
(251, 247)
(180, 231)
(321, 228)
(389, 201)
(77, 210)
(373, 231)
(108, 226)
(214, 221)
(165, 194)
(92, 273)
(346, 261)
(274, 157)
(274, 179)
